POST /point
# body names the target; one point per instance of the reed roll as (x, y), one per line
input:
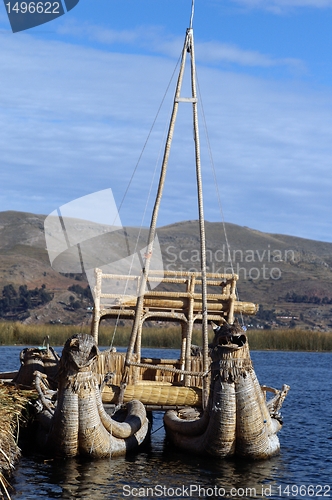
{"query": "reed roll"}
(237, 420)
(181, 303)
(155, 394)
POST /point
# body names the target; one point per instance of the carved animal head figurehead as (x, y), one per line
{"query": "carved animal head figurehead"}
(79, 352)
(229, 336)
(230, 353)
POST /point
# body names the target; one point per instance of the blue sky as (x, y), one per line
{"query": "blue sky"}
(79, 96)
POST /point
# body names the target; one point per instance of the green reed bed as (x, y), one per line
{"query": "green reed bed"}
(162, 337)
(17, 333)
(290, 340)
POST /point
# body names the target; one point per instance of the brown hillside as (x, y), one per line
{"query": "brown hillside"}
(288, 275)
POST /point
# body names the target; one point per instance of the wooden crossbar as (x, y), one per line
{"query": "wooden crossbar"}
(181, 302)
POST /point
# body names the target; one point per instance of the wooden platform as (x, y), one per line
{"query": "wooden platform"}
(177, 298)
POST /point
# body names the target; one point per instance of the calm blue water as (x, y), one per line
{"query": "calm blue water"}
(305, 459)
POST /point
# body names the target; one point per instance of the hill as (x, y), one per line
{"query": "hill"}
(289, 277)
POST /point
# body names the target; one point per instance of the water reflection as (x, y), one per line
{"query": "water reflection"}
(159, 467)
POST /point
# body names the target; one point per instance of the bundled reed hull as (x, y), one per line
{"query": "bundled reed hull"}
(42, 359)
(237, 420)
(77, 423)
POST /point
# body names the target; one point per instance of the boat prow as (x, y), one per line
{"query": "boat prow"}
(74, 419)
(237, 420)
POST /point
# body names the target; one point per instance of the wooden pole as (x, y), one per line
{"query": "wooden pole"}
(153, 224)
(201, 219)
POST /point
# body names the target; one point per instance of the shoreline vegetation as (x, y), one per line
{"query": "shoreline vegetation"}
(15, 333)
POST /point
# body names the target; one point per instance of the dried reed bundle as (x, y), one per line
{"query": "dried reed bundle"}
(237, 419)
(110, 364)
(12, 403)
(155, 393)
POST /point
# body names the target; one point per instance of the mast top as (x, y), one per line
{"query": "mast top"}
(192, 14)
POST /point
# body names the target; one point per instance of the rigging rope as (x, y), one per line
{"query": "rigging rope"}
(137, 240)
(229, 256)
(148, 137)
(149, 192)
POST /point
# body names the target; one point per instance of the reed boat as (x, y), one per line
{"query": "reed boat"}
(214, 404)
(213, 401)
(95, 403)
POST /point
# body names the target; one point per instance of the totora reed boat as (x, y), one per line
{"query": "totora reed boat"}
(95, 403)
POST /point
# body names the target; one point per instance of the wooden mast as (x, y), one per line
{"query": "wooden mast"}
(188, 47)
(200, 211)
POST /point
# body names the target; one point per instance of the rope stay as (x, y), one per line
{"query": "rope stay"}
(229, 255)
(148, 196)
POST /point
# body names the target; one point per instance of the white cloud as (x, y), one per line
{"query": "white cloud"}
(211, 51)
(279, 6)
(152, 37)
(155, 40)
(98, 33)
(74, 121)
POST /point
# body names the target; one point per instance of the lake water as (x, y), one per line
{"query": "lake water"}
(302, 470)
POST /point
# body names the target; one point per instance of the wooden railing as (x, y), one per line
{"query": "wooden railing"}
(176, 298)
